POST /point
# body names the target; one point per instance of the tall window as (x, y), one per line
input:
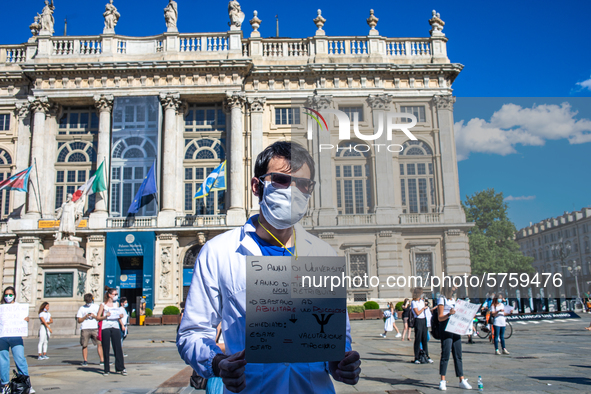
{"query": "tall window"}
(417, 183)
(205, 130)
(350, 111)
(4, 122)
(352, 180)
(287, 116)
(78, 121)
(418, 111)
(358, 265)
(5, 162)
(424, 266)
(73, 168)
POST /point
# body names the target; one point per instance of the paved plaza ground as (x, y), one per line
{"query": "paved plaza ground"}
(546, 357)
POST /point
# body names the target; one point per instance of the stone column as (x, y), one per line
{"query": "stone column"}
(104, 106)
(49, 173)
(27, 278)
(23, 148)
(40, 107)
(170, 104)
(327, 212)
(257, 105)
(168, 270)
(453, 212)
(383, 169)
(95, 256)
(236, 214)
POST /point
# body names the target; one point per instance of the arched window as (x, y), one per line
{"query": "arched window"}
(75, 163)
(417, 183)
(188, 266)
(5, 172)
(353, 180)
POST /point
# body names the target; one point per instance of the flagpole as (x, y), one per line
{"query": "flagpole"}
(38, 188)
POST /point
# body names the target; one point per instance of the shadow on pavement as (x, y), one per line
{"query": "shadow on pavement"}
(407, 381)
(575, 380)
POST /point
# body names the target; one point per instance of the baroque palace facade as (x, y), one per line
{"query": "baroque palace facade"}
(190, 101)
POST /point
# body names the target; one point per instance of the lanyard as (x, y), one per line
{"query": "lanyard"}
(280, 243)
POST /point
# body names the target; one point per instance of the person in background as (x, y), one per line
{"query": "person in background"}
(497, 310)
(124, 321)
(450, 342)
(17, 346)
(111, 333)
(44, 330)
(419, 310)
(390, 322)
(406, 311)
(86, 316)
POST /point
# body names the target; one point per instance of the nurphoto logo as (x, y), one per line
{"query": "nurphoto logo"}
(387, 118)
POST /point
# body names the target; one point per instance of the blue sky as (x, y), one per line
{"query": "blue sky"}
(526, 53)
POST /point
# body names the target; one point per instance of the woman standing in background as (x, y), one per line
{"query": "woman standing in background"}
(406, 311)
(44, 330)
(390, 322)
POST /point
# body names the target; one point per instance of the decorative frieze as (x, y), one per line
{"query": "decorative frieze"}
(256, 104)
(104, 102)
(319, 102)
(170, 101)
(444, 102)
(379, 101)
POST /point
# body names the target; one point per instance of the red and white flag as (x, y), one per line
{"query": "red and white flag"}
(84, 189)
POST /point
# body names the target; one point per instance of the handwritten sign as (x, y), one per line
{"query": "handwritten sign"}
(12, 320)
(460, 322)
(288, 322)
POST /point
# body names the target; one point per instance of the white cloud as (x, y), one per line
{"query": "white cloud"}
(513, 124)
(519, 198)
(585, 84)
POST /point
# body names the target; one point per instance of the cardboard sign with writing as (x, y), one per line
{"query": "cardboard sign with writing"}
(286, 322)
(460, 322)
(12, 320)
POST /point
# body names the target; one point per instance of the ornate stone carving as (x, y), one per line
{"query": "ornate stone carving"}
(319, 101)
(444, 102)
(385, 234)
(257, 104)
(236, 15)
(327, 235)
(36, 25)
(255, 22)
(59, 284)
(171, 15)
(453, 232)
(104, 102)
(436, 25)
(170, 101)
(96, 238)
(46, 19)
(39, 103)
(372, 21)
(379, 101)
(95, 273)
(69, 214)
(319, 21)
(111, 18)
(235, 99)
(201, 238)
(166, 237)
(166, 259)
(81, 283)
(23, 109)
(27, 278)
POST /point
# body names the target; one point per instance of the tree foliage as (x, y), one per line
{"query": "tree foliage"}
(492, 244)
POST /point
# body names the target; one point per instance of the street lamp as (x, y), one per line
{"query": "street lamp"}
(563, 250)
(575, 270)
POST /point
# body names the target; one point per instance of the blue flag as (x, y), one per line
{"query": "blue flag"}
(146, 192)
(215, 181)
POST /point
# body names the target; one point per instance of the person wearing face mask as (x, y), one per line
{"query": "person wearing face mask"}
(124, 321)
(283, 183)
(86, 316)
(497, 310)
(419, 309)
(44, 330)
(110, 314)
(17, 346)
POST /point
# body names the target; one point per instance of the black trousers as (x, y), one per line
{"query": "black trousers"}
(421, 337)
(112, 335)
(450, 343)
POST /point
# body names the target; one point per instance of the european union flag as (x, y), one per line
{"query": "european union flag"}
(146, 192)
(215, 181)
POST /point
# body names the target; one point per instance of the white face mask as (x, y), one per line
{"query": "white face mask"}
(115, 298)
(9, 298)
(283, 208)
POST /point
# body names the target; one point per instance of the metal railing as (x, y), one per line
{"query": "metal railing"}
(144, 221)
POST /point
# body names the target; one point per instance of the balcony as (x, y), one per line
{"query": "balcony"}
(421, 218)
(200, 221)
(356, 220)
(138, 222)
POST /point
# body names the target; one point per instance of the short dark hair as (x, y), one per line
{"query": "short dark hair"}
(122, 300)
(295, 154)
(88, 298)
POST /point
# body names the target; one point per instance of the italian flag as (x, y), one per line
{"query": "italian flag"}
(95, 184)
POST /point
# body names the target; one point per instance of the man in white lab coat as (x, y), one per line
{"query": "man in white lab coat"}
(283, 182)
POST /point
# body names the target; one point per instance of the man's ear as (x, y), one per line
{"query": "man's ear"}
(255, 186)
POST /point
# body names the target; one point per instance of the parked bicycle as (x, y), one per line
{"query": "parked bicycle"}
(483, 331)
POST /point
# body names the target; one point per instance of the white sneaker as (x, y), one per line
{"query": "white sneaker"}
(31, 391)
(505, 351)
(383, 335)
(430, 361)
(443, 385)
(497, 352)
(398, 335)
(464, 385)
(417, 362)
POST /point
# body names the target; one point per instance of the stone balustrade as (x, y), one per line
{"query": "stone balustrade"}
(356, 220)
(220, 45)
(421, 218)
(200, 220)
(147, 221)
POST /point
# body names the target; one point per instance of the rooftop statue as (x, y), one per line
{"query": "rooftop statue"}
(236, 15)
(111, 18)
(171, 15)
(47, 20)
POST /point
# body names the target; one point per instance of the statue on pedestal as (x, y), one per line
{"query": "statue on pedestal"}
(171, 15)
(47, 20)
(236, 15)
(111, 18)
(69, 215)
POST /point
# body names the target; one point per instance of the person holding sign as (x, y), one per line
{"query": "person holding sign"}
(450, 342)
(110, 314)
(497, 310)
(283, 182)
(14, 343)
(44, 330)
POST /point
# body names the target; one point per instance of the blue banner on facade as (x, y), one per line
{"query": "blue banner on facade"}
(131, 279)
(187, 275)
(124, 244)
